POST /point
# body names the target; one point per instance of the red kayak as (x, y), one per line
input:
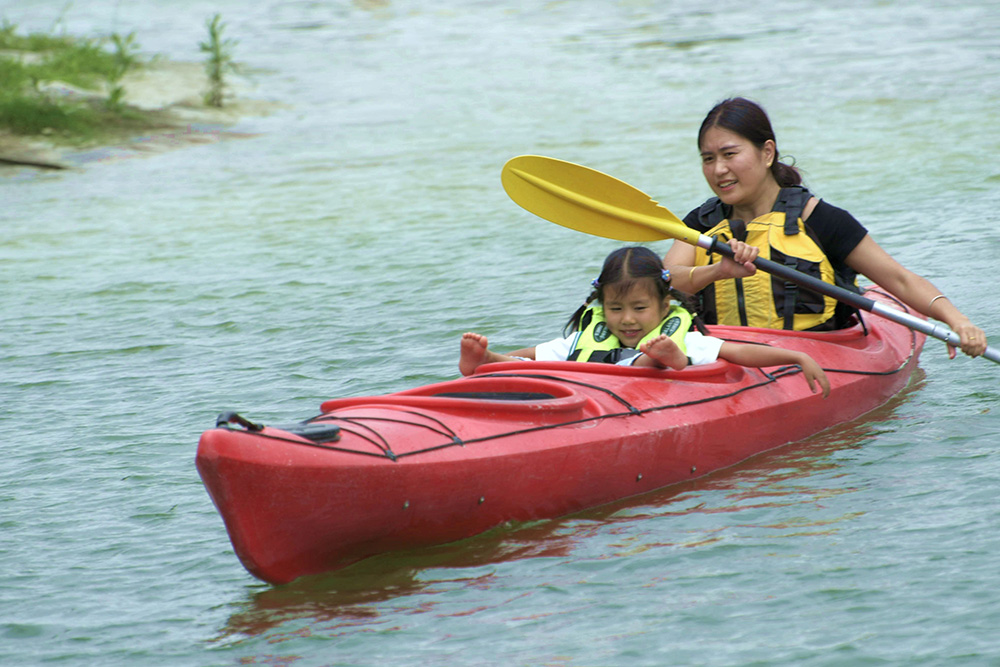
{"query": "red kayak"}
(521, 441)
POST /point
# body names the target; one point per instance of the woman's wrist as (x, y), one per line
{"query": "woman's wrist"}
(703, 275)
(942, 309)
(691, 280)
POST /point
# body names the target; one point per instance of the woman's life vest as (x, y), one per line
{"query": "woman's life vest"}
(595, 342)
(763, 300)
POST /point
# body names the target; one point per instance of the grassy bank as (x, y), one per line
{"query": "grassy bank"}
(71, 90)
(66, 88)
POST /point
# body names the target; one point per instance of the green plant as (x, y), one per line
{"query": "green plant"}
(28, 109)
(31, 116)
(82, 64)
(125, 58)
(13, 76)
(220, 60)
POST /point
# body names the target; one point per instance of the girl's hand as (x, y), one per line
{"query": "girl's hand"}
(814, 374)
(741, 264)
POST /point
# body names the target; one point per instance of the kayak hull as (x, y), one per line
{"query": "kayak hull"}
(521, 441)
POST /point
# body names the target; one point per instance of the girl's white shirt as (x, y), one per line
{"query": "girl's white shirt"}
(700, 349)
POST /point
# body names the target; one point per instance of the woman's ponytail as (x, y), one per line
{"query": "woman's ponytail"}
(786, 175)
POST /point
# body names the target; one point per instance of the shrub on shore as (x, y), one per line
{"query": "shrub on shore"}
(220, 60)
(63, 87)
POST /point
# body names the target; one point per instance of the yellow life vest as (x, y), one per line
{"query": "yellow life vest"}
(595, 342)
(763, 300)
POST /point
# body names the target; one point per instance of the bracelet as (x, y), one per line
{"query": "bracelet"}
(691, 277)
(939, 296)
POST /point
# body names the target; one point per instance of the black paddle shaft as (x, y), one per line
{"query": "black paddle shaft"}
(799, 278)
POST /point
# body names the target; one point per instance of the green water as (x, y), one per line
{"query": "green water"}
(344, 247)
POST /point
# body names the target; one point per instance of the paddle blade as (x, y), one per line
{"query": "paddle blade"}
(589, 201)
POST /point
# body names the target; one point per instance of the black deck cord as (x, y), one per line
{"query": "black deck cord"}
(770, 377)
(318, 445)
(633, 412)
(357, 419)
(445, 429)
(631, 408)
(455, 440)
(382, 444)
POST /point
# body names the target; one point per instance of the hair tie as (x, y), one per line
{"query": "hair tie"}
(596, 282)
(665, 274)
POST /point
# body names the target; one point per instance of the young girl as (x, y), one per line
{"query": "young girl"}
(636, 325)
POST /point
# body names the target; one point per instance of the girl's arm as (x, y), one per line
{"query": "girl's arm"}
(762, 355)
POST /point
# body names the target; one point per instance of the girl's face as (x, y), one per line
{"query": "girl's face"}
(632, 314)
(738, 172)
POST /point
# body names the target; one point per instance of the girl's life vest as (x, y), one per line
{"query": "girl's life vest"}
(595, 342)
(763, 300)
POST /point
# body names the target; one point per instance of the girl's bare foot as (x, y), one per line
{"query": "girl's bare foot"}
(662, 351)
(475, 353)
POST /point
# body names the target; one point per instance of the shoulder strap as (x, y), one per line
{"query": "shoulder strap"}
(712, 212)
(792, 201)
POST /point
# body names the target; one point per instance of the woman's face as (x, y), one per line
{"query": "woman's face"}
(738, 172)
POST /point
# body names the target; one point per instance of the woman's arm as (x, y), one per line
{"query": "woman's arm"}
(762, 355)
(688, 278)
(869, 259)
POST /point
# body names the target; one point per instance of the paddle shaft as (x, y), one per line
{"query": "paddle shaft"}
(927, 327)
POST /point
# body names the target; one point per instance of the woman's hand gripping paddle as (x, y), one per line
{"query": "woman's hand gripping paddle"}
(592, 202)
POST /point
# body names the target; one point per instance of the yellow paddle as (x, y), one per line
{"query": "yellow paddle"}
(592, 202)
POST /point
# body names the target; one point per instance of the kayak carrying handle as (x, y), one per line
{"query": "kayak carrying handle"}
(226, 418)
(318, 432)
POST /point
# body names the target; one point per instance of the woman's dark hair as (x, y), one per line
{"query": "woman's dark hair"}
(747, 119)
(622, 269)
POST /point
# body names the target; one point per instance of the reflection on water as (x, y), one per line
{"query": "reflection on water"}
(781, 478)
(351, 593)
(784, 476)
(159, 142)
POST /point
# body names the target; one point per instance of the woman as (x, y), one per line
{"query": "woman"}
(761, 208)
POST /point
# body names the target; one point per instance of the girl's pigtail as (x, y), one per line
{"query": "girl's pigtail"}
(573, 325)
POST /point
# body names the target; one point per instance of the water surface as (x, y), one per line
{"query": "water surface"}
(343, 248)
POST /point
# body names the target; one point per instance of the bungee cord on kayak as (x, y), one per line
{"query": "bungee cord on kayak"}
(381, 442)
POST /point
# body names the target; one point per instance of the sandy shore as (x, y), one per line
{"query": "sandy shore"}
(171, 93)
